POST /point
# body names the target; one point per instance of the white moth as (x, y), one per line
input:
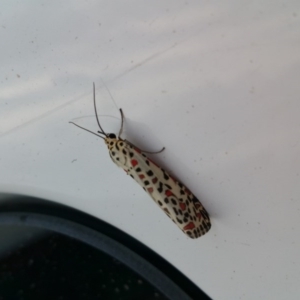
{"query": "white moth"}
(178, 203)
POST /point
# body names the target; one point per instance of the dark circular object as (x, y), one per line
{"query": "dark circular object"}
(51, 251)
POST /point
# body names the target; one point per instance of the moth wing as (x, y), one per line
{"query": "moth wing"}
(173, 197)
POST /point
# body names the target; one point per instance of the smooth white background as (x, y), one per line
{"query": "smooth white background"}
(215, 82)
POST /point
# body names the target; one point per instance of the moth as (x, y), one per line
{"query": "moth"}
(174, 198)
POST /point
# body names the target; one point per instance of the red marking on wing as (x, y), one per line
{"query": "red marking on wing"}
(134, 162)
(172, 178)
(142, 176)
(187, 191)
(182, 206)
(150, 190)
(199, 215)
(191, 225)
(168, 193)
(154, 180)
(137, 150)
(197, 205)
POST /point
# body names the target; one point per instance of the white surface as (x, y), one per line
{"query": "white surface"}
(216, 83)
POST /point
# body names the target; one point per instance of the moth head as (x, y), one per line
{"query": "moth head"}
(110, 138)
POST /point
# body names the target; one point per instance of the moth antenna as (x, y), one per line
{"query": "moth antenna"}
(88, 130)
(94, 96)
(122, 122)
(112, 98)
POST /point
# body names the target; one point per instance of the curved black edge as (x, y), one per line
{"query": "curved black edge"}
(35, 207)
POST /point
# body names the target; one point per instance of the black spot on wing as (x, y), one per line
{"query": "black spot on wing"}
(166, 177)
(179, 221)
(160, 187)
(150, 173)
